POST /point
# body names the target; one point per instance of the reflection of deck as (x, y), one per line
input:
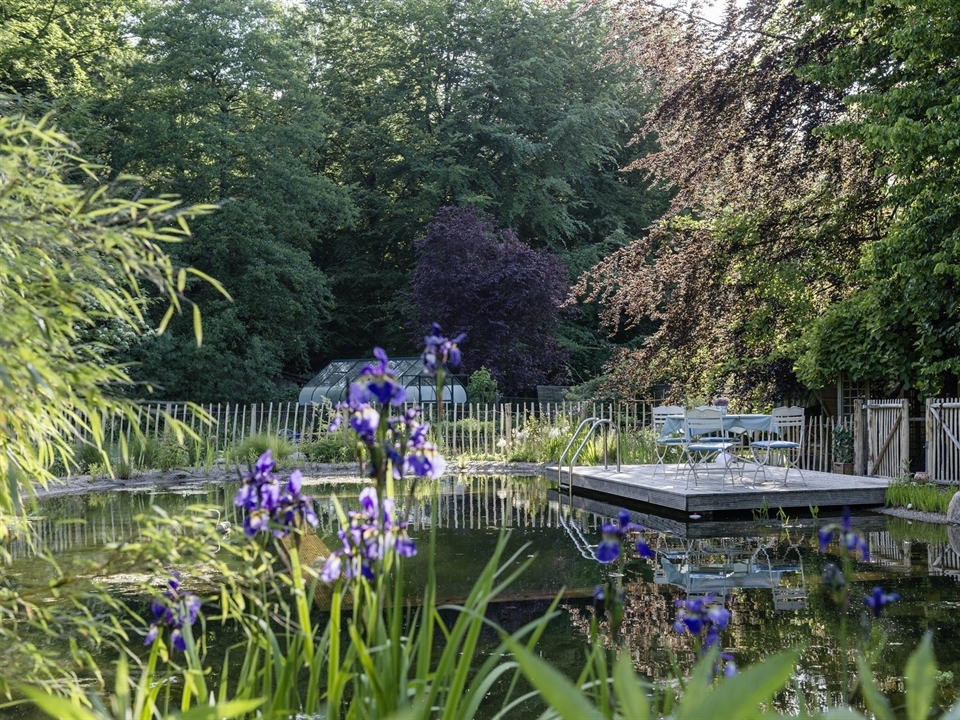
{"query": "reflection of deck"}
(699, 580)
(599, 511)
(667, 488)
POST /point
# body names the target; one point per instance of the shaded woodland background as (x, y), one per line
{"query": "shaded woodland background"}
(618, 193)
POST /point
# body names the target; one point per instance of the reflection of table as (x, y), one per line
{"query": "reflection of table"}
(731, 423)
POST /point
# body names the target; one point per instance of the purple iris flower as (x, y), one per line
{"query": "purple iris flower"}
(368, 501)
(846, 520)
(608, 551)
(878, 599)
(850, 540)
(609, 548)
(645, 550)
(371, 533)
(365, 423)
(272, 504)
(381, 381)
(173, 610)
(425, 461)
(825, 535)
(440, 352)
(701, 614)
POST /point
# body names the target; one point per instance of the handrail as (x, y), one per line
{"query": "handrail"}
(576, 434)
(596, 422)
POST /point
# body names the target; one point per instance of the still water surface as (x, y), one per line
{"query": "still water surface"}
(767, 572)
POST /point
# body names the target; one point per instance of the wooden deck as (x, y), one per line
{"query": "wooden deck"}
(667, 487)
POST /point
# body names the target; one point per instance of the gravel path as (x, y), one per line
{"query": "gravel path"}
(346, 472)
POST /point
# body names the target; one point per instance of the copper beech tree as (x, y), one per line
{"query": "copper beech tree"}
(768, 216)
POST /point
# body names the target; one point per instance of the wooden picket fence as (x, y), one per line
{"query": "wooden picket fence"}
(942, 425)
(220, 424)
(491, 429)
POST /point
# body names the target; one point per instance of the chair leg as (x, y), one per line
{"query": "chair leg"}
(760, 458)
(691, 470)
(793, 463)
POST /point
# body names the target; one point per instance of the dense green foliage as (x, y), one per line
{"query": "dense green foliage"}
(76, 262)
(920, 496)
(813, 151)
(900, 80)
(328, 134)
(226, 114)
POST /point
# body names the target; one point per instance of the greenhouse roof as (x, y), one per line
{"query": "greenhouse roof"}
(333, 382)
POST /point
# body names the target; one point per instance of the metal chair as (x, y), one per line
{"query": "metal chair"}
(662, 444)
(788, 429)
(704, 429)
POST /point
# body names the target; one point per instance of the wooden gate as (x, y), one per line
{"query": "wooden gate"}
(943, 438)
(887, 429)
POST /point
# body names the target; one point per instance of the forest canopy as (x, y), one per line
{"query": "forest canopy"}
(750, 205)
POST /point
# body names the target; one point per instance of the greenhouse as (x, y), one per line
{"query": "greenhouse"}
(333, 382)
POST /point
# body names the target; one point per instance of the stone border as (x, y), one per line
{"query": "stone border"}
(159, 480)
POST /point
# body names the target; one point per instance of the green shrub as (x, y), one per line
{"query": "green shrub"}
(249, 449)
(842, 444)
(482, 388)
(123, 469)
(474, 426)
(87, 456)
(329, 450)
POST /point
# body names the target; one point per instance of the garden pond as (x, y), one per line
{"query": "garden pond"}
(766, 570)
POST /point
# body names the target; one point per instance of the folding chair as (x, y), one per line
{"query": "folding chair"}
(786, 440)
(661, 443)
(704, 428)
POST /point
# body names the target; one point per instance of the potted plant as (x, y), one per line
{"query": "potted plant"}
(843, 450)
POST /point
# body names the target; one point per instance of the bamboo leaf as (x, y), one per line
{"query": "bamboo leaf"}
(165, 320)
(232, 709)
(56, 706)
(197, 325)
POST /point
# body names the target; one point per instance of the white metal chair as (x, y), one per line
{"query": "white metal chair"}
(704, 430)
(786, 441)
(662, 444)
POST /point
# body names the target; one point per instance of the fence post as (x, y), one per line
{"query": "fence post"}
(928, 463)
(905, 435)
(859, 438)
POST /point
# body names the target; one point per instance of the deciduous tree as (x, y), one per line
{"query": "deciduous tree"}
(474, 277)
(896, 66)
(225, 114)
(769, 214)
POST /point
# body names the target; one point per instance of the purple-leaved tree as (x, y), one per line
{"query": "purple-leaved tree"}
(474, 277)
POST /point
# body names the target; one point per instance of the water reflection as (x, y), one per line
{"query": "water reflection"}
(767, 573)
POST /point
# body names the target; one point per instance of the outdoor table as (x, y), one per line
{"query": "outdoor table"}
(738, 424)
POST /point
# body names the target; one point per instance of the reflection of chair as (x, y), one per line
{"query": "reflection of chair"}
(704, 430)
(790, 598)
(786, 440)
(662, 445)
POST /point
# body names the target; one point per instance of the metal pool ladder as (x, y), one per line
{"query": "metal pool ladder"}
(594, 423)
